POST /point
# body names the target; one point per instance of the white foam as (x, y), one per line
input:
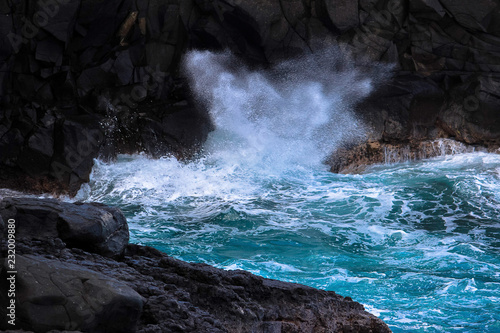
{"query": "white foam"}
(260, 182)
(294, 113)
(373, 310)
(276, 266)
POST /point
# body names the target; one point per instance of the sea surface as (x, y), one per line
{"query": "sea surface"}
(417, 243)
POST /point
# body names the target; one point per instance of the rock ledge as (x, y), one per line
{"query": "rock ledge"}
(71, 287)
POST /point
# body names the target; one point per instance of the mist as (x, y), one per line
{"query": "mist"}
(296, 112)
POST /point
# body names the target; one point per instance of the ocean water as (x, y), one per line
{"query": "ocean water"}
(417, 243)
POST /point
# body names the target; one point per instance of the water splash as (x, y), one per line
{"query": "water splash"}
(418, 243)
(407, 240)
(427, 149)
(296, 112)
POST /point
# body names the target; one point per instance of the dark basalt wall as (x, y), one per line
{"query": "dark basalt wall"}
(83, 78)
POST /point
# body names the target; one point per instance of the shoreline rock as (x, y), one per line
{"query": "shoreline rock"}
(56, 295)
(144, 290)
(93, 227)
(356, 159)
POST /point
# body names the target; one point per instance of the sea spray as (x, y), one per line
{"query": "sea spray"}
(417, 243)
(295, 112)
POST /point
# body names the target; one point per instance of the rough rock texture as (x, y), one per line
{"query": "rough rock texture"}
(62, 296)
(79, 79)
(148, 291)
(356, 159)
(93, 227)
(83, 78)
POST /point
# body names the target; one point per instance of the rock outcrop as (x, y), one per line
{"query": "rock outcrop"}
(54, 295)
(80, 79)
(356, 159)
(92, 227)
(60, 286)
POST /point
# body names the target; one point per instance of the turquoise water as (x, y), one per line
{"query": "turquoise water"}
(417, 243)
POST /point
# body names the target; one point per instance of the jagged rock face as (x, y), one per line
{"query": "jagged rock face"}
(79, 79)
(82, 78)
(62, 287)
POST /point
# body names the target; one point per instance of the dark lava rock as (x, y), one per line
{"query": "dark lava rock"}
(55, 295)
(93, 227)
(81, 79)
(64, 288)
(48, 151)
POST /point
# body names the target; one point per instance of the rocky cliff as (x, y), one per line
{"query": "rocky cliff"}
(76, 272)
(83, 78)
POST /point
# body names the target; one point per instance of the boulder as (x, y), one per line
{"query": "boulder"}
(357, 158)
(93, 227)
(242, 302)
(54, 295)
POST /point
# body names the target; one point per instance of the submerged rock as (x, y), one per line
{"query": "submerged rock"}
(62, 287)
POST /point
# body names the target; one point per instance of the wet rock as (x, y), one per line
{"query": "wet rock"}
(175, 133)
(93, 227)
(356, 159)
(128, 53)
